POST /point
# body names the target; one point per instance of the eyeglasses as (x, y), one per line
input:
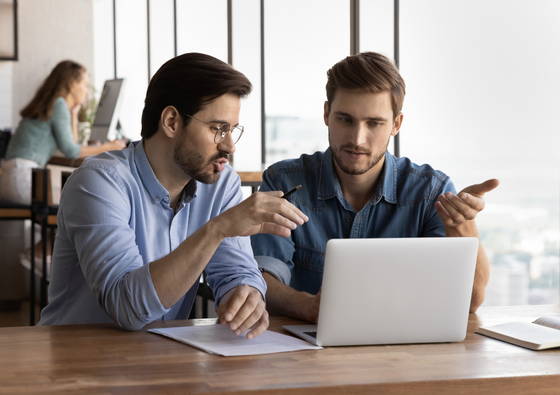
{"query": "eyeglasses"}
(222, 130)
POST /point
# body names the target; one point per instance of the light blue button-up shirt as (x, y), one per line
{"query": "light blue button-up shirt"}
(114, 219)
(403, 205)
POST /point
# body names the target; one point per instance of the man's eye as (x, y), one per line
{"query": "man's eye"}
(375, 124)
(344, 120)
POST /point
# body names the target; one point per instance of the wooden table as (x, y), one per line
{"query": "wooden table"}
(95, 359)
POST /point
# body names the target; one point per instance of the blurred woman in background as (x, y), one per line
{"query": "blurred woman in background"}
(49, 122)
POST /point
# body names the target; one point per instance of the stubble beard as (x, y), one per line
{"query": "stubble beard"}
(355, 170)
(192, 163)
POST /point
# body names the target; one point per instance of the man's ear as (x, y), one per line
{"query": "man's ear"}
(326, 113)
(397, 124)
(170, 121)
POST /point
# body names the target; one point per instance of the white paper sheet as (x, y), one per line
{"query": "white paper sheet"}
(220, 340)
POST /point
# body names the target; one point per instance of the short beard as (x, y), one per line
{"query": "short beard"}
(192, 164)
(353, 170)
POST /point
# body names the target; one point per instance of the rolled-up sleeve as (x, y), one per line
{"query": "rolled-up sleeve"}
(274, 254)
(96, 219)
(233, 263)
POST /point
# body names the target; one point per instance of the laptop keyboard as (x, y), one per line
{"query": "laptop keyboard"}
(312, 334)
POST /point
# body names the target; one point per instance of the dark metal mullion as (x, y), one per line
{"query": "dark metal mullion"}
(354, 27)
(396, 49)
(15, 31)
(175, 25)
(115, 36)
(148, 29)
(229, 32)
(263, 112)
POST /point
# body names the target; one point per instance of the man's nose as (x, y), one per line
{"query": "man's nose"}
(227, 144)
(358, 135)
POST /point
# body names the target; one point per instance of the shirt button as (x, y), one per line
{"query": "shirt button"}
(349, 219)
(166, 198)
(156, 199)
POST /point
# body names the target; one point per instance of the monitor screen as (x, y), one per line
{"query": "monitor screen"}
(106, 117)
(107, 102)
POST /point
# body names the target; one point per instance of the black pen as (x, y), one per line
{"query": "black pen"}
(287, 194)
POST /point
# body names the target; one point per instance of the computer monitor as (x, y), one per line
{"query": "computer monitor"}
(106, 123)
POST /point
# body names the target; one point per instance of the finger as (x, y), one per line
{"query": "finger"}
(255, 314)
(481, 189)
(284, 207)
(244, 318)
(289, 211)
(464, 208)
(453, 212)
(234, 305)
(443, 214)
(227, 310)
(260, 328)
(276, 230)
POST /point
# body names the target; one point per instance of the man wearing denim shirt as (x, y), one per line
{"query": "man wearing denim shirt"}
(137, 227)
(357, 189)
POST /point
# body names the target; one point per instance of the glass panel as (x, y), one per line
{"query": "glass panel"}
(247, 59)
(202, 27)
(483, 91)
(377, 31)
(162, 36)
(103, 48)
(376, 26)
(303, 40)
(132, 63)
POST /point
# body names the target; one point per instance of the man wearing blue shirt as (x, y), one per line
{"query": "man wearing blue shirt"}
(357, 189)
(137, 227)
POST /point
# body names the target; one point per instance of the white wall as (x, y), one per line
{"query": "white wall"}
(49, 32)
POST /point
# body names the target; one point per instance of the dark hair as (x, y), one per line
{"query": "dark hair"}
(58, 83)
(370, 72)
(188, 82)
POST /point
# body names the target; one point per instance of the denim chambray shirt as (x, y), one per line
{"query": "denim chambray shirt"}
(402, 206)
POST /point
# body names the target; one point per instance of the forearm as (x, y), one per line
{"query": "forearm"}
(482, 270)
(481, 277)
(283, 300)
(75, 128)
(174, 274)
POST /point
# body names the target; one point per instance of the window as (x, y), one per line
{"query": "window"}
(482, 96)
(480, 104)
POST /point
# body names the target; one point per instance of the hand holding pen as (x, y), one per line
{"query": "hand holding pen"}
(288, 194)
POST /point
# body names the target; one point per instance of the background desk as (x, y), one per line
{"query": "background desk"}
(104, 359)
(248, 178)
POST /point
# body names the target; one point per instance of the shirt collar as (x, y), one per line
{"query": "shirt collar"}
(151, 182)
(327, 176)
(387, 187)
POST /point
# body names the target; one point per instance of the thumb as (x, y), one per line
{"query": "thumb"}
(481, 189)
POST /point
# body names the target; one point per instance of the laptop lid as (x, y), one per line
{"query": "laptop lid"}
(395, 291)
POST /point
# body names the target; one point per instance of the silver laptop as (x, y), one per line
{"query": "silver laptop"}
(394, 291)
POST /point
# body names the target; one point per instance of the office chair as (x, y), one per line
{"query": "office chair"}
(43, 213)
(14, 211)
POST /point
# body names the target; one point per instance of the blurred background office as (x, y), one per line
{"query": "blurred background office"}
(483, 91)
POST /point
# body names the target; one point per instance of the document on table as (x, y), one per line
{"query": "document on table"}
(220, 340)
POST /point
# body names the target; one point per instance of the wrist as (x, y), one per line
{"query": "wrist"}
(466, 229)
